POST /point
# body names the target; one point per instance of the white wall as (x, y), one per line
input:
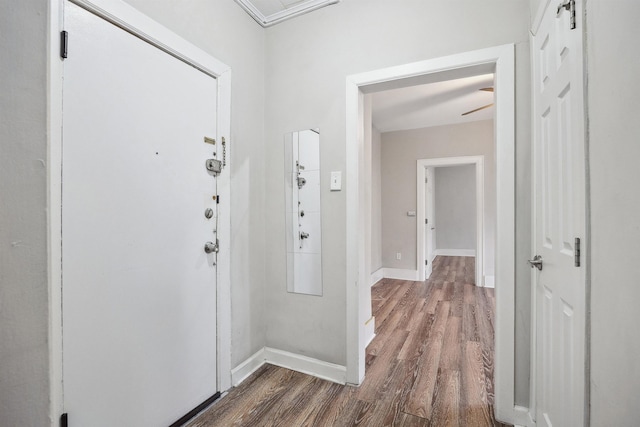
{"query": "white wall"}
(376, 200)
(224, 30)
(400, 151)
(613, 56)
(308, 60)
(455, 207)
(24, 310)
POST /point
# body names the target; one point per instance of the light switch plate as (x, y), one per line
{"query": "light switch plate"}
(336, 180)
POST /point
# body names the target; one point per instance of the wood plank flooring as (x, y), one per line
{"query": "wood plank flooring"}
(430, 364)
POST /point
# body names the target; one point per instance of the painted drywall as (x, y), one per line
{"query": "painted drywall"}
(455, 203)
(308, 60)
(613, 57)
(400, 152)
(376, 200)
(223, 29)
(305, 79)
(24, 310)
(534, 5)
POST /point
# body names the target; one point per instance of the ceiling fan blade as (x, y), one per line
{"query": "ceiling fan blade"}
(487, 89)
(478, 109)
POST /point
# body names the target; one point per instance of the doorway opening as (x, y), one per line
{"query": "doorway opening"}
(497, 60)
(424, 227)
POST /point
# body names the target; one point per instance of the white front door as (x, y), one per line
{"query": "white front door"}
(139, 292)
(560, 217)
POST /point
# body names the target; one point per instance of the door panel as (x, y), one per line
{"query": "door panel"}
(139, 293)
(559, 212)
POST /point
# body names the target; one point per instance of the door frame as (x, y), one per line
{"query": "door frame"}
(501, 61)
(131, 20)
(422, 164)
(430, 215)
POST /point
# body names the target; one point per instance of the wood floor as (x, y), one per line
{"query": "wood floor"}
(430, 364)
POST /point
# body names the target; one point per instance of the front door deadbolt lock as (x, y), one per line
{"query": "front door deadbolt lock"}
(214, 165)
(536, 262)
(211, 247)
(208, 213)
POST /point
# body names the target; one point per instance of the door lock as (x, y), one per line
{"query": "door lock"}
(536, 262)
(211, 247)
(214, 165)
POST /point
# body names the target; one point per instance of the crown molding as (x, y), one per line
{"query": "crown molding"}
(292, 12)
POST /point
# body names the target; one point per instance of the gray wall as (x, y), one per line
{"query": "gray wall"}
(223, 29)
(455, 207)
(24, 304)
(400, 151)
(301, 85)
(613, 57)
(306, 76)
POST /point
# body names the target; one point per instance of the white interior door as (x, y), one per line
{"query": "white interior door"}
(139, 293)
(559, 168)
(430, 225)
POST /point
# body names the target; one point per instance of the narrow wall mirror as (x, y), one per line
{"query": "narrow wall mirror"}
(303, 212)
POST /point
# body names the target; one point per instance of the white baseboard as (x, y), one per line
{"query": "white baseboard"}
(248, 367)
(295, 362)
(489, 281)
(454, 252)
(376, 276)
(307, 365)
(400, 274)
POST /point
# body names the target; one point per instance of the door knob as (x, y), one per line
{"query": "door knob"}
(304, 235)
(211, 247)
(536, 262)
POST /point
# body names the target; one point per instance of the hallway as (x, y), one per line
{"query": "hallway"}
(430, 364)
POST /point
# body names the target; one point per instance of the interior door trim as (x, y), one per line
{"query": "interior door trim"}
(501, 60)
(478, 162)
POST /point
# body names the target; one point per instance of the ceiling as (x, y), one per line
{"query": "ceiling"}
(433, 104)
(413, 107)
(270, 12)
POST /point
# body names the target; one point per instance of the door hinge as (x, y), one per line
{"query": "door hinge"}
(576, 253)
(570, 6)
(64, 44)
(426, 220)
(64, 420)
(426, 262)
